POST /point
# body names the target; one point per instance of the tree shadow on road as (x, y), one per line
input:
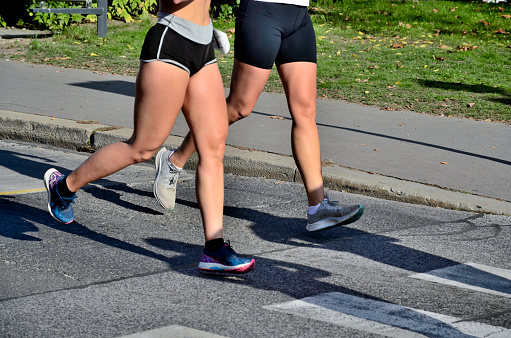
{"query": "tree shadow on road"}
(288, 276)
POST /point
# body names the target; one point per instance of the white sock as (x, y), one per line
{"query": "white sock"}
(313, 209)
(175, 166)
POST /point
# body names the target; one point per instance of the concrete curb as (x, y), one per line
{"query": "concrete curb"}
(82, 135)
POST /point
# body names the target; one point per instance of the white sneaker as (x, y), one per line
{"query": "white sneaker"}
(166, 178)
(221, 41)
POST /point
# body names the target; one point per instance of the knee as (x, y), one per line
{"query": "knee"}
(139, 155)
(238, 110)
(145, 155)
(304, 113)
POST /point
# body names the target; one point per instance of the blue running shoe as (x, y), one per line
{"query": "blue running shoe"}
(225, 260)
(59, 207)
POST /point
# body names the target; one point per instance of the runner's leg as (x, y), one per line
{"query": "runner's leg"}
(160, 91)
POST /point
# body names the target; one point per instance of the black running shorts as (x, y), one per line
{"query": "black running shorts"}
(179, 42)
(268, 33)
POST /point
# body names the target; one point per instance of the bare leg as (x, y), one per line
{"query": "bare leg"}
(247, 84)
(160, 91)
(299, 80)
(204, 109)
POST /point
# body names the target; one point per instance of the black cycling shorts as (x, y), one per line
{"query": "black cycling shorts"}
(268, 33)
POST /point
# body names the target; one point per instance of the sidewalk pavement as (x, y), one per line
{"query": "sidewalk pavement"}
(397, 155)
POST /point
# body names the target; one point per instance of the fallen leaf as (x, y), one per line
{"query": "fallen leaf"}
(469, 105)
(444, 47)
(277, 117)
(375, 150)
(435, 10)
(439, 58)
(374, 67)
(443, 162)
(399, 45)
(486, 23)
(465, 48)
(507, 16)
(93, 54)
(453, 9)
(500, 31)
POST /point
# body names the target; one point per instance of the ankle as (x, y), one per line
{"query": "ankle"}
(214, 244)
(174, 160)
(63, 189)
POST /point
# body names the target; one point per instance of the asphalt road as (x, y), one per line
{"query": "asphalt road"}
(126, 267)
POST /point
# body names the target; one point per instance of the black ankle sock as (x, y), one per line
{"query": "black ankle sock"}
(214, 244)
(63, 190)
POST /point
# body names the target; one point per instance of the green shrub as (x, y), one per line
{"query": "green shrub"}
(128, 10)
(224, 9)
(125, 10)
(54, 21)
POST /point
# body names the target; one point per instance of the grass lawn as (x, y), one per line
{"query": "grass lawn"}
(450, 58)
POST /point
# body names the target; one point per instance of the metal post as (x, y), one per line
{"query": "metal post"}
(102, 18)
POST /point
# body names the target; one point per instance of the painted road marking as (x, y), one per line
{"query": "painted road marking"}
(473, 276)
(17, 192)
(174, 331)
(390, 320)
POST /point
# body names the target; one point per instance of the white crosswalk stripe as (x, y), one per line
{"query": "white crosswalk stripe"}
(477, 277)
(174, 331)
(383, 318)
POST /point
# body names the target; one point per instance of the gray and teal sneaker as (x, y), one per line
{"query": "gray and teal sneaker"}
(165, 182)
(59, 207)
(331, 214)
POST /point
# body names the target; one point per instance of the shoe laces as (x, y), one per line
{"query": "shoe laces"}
(65, 202)
(173, 174)
(330, 203)
(227, 246)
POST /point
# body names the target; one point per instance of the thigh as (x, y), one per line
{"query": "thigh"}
(205, 109)
(299, 81)
(258, 34)
(300, 45)
(247, 83)
(160, 92)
